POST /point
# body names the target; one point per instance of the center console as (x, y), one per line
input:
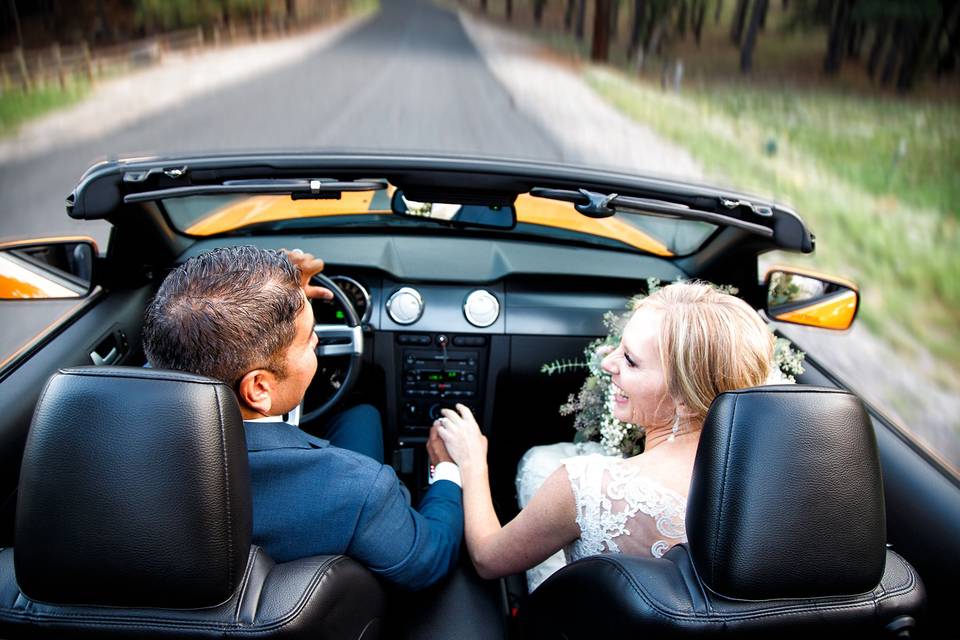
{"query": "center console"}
(437, 370)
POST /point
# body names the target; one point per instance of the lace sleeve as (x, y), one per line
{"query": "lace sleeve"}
(585, 474)
(620, 510)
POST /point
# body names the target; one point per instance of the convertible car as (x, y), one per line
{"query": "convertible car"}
(124, 504)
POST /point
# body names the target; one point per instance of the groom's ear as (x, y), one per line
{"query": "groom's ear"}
(255, 391)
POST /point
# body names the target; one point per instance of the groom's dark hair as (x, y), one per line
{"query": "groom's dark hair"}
(224, 313)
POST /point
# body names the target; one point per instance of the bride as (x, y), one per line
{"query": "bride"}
(684, 345)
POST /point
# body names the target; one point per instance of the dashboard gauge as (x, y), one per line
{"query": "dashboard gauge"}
(405, 306)
(330, 311)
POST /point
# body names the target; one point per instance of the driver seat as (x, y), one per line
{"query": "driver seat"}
(786, 529)
(134, 519)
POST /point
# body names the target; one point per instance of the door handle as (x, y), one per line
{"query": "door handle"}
(110, 358)
(110, 349)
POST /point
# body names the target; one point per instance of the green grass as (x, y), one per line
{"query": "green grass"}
(892, 228)
(17, 107)
(892, 148)
(364, 7)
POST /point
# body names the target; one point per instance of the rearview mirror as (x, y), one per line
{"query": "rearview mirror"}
(804, 297)
(465, 215)
(46, 271)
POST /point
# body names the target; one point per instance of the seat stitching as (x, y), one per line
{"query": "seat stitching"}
(226, 480)
(799, 389)
(308, 593)
(696, 574)
(907, 585)
(93, 619)
(789, 610)
(251, 560)
(166, 376)
(723, 487)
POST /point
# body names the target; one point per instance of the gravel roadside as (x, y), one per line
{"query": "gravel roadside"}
(589, 130)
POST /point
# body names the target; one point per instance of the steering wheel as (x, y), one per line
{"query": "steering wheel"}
(338, 340)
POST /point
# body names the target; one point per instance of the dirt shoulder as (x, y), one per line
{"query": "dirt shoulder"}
(589, 130)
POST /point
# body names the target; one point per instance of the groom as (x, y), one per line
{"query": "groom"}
(242, 315)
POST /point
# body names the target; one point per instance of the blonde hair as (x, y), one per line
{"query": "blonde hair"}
(710, 342)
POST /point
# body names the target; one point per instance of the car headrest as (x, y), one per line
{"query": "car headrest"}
(134, 491)
(786, 498)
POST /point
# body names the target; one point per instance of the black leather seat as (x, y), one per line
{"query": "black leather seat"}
(134, 520)
(786, 529)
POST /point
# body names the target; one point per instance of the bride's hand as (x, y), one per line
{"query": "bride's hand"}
(461, 435)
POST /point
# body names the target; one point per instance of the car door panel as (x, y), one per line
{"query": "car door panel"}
(922, 506)
(87, 332)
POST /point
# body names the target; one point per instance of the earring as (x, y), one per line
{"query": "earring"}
(675, 429)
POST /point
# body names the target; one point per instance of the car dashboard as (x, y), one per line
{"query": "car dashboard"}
(468, 320)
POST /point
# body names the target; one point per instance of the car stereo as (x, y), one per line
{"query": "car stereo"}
(438, 371)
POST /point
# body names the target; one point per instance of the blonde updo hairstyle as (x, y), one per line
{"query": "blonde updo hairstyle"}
(710, 342)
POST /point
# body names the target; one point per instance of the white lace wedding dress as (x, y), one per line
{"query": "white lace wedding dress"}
(619, 510)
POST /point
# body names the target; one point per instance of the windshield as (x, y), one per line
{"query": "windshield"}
(211, 215)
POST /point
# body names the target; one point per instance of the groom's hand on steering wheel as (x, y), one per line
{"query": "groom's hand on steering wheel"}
(309, 266)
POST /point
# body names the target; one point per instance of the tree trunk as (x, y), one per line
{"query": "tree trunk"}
(652, 23)
(656, 37)
(538, 11)
(16, 22)
(855, 41)
(746, 51)
(893, 52)
(949, 30)
(763, 16)
(682, 20)
(879, 40)
(718, 9)
(568, 15)
(739, 17)
(839, 32)
(914, 56)
(698, 14)
(600, 47)
(509, 9)
(581, 18)
(483, 5)
(614, 19)
(639, 10)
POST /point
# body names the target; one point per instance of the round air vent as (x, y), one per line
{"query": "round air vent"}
(405, 306)
(481, 308)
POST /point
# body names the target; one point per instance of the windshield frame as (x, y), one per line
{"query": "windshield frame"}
(377, 220)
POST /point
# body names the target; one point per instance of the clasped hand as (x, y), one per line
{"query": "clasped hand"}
(461, 436)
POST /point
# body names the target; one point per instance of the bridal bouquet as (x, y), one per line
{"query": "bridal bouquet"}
(592, 406)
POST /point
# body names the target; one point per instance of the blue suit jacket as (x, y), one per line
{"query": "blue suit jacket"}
(311, 498)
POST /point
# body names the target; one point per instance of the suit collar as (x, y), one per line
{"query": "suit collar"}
(263, 436)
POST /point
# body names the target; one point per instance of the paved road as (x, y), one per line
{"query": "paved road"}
(408, 79)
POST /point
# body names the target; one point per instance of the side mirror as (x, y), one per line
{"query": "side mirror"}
(36, 270)
(804, 297)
